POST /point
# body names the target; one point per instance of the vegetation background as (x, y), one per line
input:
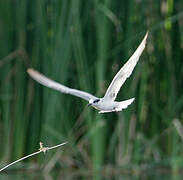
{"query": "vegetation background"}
(82, 44)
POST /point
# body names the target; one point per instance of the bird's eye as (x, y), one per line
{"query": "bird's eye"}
(97, 100)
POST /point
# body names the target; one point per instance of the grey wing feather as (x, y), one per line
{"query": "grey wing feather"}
(57, 86)
(125, 72)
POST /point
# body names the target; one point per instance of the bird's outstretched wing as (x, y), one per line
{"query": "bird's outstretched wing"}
(124, 72)
(57, 86)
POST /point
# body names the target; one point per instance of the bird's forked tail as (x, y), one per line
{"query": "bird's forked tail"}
(124, 104)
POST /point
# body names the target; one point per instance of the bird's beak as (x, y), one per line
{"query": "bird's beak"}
(89, 104)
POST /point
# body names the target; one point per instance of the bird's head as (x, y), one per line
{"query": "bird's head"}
(93, 102)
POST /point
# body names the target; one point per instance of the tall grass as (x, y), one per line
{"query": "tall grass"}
(83, 44)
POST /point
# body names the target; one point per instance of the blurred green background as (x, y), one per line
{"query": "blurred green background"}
(82, 44)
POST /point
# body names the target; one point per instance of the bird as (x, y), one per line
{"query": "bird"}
(107, 103)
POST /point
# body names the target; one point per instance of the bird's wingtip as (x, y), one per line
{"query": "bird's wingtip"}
(146, 35)
(30, 70)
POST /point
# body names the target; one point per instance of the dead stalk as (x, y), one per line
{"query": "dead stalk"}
(41, 149)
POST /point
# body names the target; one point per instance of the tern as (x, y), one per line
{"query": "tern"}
(107, 103)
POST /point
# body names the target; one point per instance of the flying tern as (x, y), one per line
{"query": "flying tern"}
(107, 103)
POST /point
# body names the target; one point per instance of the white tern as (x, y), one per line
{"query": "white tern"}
(107, 103)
